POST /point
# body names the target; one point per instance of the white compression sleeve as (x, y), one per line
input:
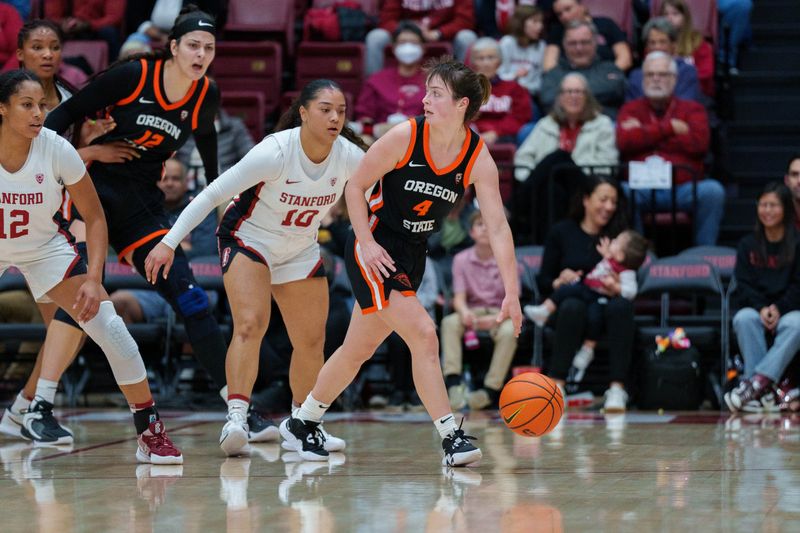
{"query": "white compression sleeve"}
(110, 333)
(265, 159)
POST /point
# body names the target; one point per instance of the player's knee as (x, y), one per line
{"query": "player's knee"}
(311, 343)
(425, 342)
(108, 331)
(248, 327)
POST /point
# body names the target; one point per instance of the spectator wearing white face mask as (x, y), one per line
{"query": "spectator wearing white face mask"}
(395, 93)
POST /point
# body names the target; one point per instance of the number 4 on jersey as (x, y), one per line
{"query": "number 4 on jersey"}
(422, 208)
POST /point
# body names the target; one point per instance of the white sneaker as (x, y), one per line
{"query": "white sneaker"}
(458, 396)
(235, 434)
(11, 423)
(616, 399)
(538, 314)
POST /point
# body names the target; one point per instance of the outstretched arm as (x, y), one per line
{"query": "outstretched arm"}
(486, 180)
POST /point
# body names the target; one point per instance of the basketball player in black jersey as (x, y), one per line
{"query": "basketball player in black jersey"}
(421, 168)
(156, 102)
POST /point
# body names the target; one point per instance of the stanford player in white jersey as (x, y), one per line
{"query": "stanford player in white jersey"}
(35, 164)
(268, 244)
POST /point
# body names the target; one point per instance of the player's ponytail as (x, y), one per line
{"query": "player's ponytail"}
(10, 82)
(291, 117)
(462, 81)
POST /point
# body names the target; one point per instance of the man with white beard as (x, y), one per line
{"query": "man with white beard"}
(676, 130)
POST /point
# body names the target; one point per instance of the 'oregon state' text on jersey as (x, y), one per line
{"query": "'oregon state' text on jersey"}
(414, 197)
(147, 120)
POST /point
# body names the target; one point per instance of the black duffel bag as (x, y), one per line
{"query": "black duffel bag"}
(671, 380)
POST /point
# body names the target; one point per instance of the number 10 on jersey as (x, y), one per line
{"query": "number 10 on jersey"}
(302, 219)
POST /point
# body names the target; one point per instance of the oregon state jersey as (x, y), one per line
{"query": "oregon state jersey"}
(30, 197)
(414, 197)
(133, 95)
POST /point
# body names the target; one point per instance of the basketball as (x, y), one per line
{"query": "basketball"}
(531, 404)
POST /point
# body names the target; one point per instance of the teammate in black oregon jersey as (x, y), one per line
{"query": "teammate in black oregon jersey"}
(156, 103)
(416, 171)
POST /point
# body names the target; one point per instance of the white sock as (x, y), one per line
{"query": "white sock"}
(312, 410)
(46, 390)
(224, 393)
(20, 403)
(237, 405)
(446, 425)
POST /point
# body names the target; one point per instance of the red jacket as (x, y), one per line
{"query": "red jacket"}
(508, 109)
(656, 136)
(10, 24)
(98, 13)
(447, 16)
(703, 60)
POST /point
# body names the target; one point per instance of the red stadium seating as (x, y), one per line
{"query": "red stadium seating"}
(619, 11)
(95, 52)
(704, 16)
(503, 154)
(341, 62)
(257, 20)
(249, 106)
(250, 66)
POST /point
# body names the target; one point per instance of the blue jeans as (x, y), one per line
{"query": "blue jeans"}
(758, 359)
(736, 15)
(710, 206)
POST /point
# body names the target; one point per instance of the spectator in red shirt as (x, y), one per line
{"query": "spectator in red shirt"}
(440, 20)
(509, 106)
(395, 93)
(10, 24)
(89, 19)
(676, 130)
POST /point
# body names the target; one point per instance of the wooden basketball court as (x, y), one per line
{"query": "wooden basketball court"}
(634, 472)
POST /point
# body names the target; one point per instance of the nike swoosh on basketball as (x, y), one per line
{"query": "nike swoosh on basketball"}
(513, 415)
(412, 165)
(201, 23)
(292, 182)
(143, 101)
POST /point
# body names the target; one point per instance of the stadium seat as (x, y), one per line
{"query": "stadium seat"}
(95, 52)
(704, 16)
(341, 62)
(250, 66)
(619, 12)
(370, 7)
(503, 154)
(698, 282)
(248, 106)
(255, 20)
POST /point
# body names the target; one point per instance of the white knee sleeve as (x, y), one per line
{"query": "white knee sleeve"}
(109, 332)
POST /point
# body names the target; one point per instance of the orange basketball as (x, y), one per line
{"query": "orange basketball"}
(531, 404)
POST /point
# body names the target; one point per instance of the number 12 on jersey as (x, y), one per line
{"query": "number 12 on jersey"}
(19, 219)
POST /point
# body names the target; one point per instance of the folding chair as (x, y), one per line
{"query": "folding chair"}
(690, 278)
(251, 20)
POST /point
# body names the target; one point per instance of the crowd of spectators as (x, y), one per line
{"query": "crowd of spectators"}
(569, 90)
